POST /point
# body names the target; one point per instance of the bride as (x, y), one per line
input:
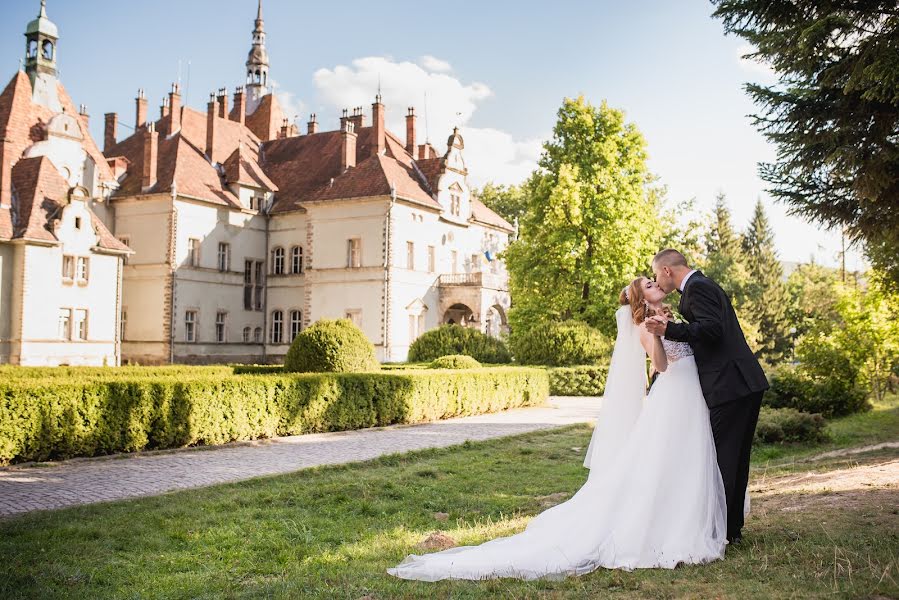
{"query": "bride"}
(654, 495)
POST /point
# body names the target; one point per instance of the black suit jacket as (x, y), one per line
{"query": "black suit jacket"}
(727, 368)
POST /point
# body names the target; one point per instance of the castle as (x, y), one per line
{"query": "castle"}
(217, 236)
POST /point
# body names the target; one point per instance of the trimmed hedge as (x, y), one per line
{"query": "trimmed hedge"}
(455, 361)
(778, 425)
(830, 397)
(560, 344)
(85, 416)
(331, 346)
(577, 381)
(455, 339)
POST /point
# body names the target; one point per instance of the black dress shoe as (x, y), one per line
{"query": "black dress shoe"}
(735, 541)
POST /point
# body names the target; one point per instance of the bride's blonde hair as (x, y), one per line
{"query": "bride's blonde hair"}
(632, 294)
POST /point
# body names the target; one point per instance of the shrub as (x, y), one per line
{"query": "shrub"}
(577, 381)
(331, 346)
(455, 339)
(455, 361)
(777, 425)
(86, 416)
(560, 344)
(829, 396)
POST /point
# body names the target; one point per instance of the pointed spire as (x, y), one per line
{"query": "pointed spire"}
(43, 12)
(259, 11)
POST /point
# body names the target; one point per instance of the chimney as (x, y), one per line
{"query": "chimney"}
(377, 123)
(343, 119)
(312, 125)
(140, 113)
(358, 119)
(223, 103)
(410, 132)
(151, 149)
(110, 129)
(240, 104)
(164, 108)
(82, 112)
(347, 146)
(175, 109)
(426, 150)
(211, 110)
(285, 127)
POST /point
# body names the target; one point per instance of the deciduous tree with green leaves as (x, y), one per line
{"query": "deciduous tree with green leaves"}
(833, 113)
(590, 223)
(508, 201)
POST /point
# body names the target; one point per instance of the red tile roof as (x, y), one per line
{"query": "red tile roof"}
(39, 194)
(242, 169)
(482, 214)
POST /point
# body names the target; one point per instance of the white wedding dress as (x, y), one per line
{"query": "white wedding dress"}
(654, 496)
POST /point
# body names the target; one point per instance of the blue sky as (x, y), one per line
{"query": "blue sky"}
(506, 66)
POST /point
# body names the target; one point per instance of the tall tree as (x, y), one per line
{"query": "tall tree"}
(833, 114)
(768, 299)
(591, 220)
(507, 201)
(725, 263)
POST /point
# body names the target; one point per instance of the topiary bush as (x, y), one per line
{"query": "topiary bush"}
(331, 346)
(454, 361)
(560, 344)
(455, 339)
(588, 380)
(780, 425)
(85, 415)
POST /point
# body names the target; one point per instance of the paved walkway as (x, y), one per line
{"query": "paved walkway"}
(83, 481)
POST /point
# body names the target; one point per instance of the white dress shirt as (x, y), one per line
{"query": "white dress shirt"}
(683, 283)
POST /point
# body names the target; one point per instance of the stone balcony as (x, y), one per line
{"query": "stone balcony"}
(479, 279)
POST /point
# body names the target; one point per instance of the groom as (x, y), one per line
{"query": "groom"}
(731, 378)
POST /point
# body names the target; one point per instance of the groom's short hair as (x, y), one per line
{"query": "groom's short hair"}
(670, 257)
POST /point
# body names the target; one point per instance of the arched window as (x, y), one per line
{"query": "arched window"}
(256, 77)
(278, 261)
(264, 78)
(32, 49)
(247, 332)
(257, 335)
(47, 50)
(296, 323)
(296, 259)
(277, 330)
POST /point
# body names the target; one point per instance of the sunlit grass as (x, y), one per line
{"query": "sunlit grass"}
(331, 532)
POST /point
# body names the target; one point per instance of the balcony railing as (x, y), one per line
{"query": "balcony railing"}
(478, 279)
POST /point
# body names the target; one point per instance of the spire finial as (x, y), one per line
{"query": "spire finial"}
(43, 12)
(258, 11)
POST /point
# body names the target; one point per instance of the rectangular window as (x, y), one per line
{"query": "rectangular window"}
(258, 284)
(82, 265)
(410, 255)
(247, 332)
(354, 315)
(454, 257)
(354, 253)
(277, 332)
(122, 325)
(432, 259)
(220, 327)
(68, 267)
(257, 335)
(190, 326)
(65, 323)
(127, 241)
(296, 323)
(248, 285)
(224, 256)
(81, 324)
(475, 263)
(296, 260)
(193, 252)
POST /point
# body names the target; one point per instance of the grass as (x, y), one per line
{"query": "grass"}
(331, 532)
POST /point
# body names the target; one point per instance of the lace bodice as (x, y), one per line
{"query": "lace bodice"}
(676, 350)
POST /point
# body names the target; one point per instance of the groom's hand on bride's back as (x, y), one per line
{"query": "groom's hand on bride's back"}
(656, 325)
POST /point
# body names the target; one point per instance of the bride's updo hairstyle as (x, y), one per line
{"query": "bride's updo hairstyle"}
(632, 295)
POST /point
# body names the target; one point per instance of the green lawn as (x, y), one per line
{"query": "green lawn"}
(331, 532)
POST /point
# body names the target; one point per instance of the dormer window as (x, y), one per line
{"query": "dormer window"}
(455, 205)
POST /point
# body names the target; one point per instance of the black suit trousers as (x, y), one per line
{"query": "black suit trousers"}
(733, 426)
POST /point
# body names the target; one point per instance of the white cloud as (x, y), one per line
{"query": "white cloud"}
(490, 154)
(754, 65)
(432, 63)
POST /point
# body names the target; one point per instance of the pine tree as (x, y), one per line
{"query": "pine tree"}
(725, 264)
(767, 295)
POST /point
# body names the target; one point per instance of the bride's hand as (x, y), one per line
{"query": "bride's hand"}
(656, 325)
